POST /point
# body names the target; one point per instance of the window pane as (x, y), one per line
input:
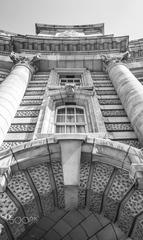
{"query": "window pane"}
(70, 110)
(70, 118)
(60, 129)
(70, 129)
(79, 111)
(76, 80)
(70, 81)
(61, 118)
(61, 111)
(80, 129)
(80, 118)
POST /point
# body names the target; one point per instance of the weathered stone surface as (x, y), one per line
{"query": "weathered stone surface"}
(22, 191)
(120, 185)
(100, 177)
(130, 208)
(41, 180)
(10, 213)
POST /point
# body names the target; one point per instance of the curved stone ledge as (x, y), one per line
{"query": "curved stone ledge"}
(38, 151)
(34, 180)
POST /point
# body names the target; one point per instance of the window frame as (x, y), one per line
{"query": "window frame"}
(75, 123)
(73, 81)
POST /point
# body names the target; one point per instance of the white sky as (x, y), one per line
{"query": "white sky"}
(121, 17)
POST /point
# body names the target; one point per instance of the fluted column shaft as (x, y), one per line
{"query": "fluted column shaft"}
(130, 92)
(12, 91)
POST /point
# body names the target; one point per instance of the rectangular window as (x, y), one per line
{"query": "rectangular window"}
(70, 119)
(70, 79)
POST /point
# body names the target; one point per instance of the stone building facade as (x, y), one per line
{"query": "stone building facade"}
(71, 135)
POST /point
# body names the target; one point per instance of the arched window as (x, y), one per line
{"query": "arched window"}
(70, 119)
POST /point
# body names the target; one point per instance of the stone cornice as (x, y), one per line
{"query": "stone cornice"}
(21, 43)
(104, 38)
(70, 44)
(86, 29)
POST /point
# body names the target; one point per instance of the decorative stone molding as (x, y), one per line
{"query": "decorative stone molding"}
(57, 97)
(19, 59)
(86, 80)
(130, 158)
(106, 184)
(136, 172)
(109, 61)
(70, 90)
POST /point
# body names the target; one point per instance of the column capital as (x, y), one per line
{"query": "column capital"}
(30, 63)
(110, 61)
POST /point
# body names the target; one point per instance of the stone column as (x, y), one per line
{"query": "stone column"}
(129, 90)
(12, 90)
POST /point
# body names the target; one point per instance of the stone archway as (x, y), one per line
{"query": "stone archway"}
(109, 193)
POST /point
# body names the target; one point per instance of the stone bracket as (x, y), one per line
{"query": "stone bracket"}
(109, 60)
(136, 172)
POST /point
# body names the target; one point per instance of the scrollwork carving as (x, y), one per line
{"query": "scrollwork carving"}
(16, 58)
(108, 59)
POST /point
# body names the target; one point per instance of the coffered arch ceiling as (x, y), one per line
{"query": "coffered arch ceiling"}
(33, 184)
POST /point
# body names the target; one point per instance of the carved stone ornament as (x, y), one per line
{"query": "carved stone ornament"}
(108, 59)
(16, 58)
(70, 89)
(69, 33)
